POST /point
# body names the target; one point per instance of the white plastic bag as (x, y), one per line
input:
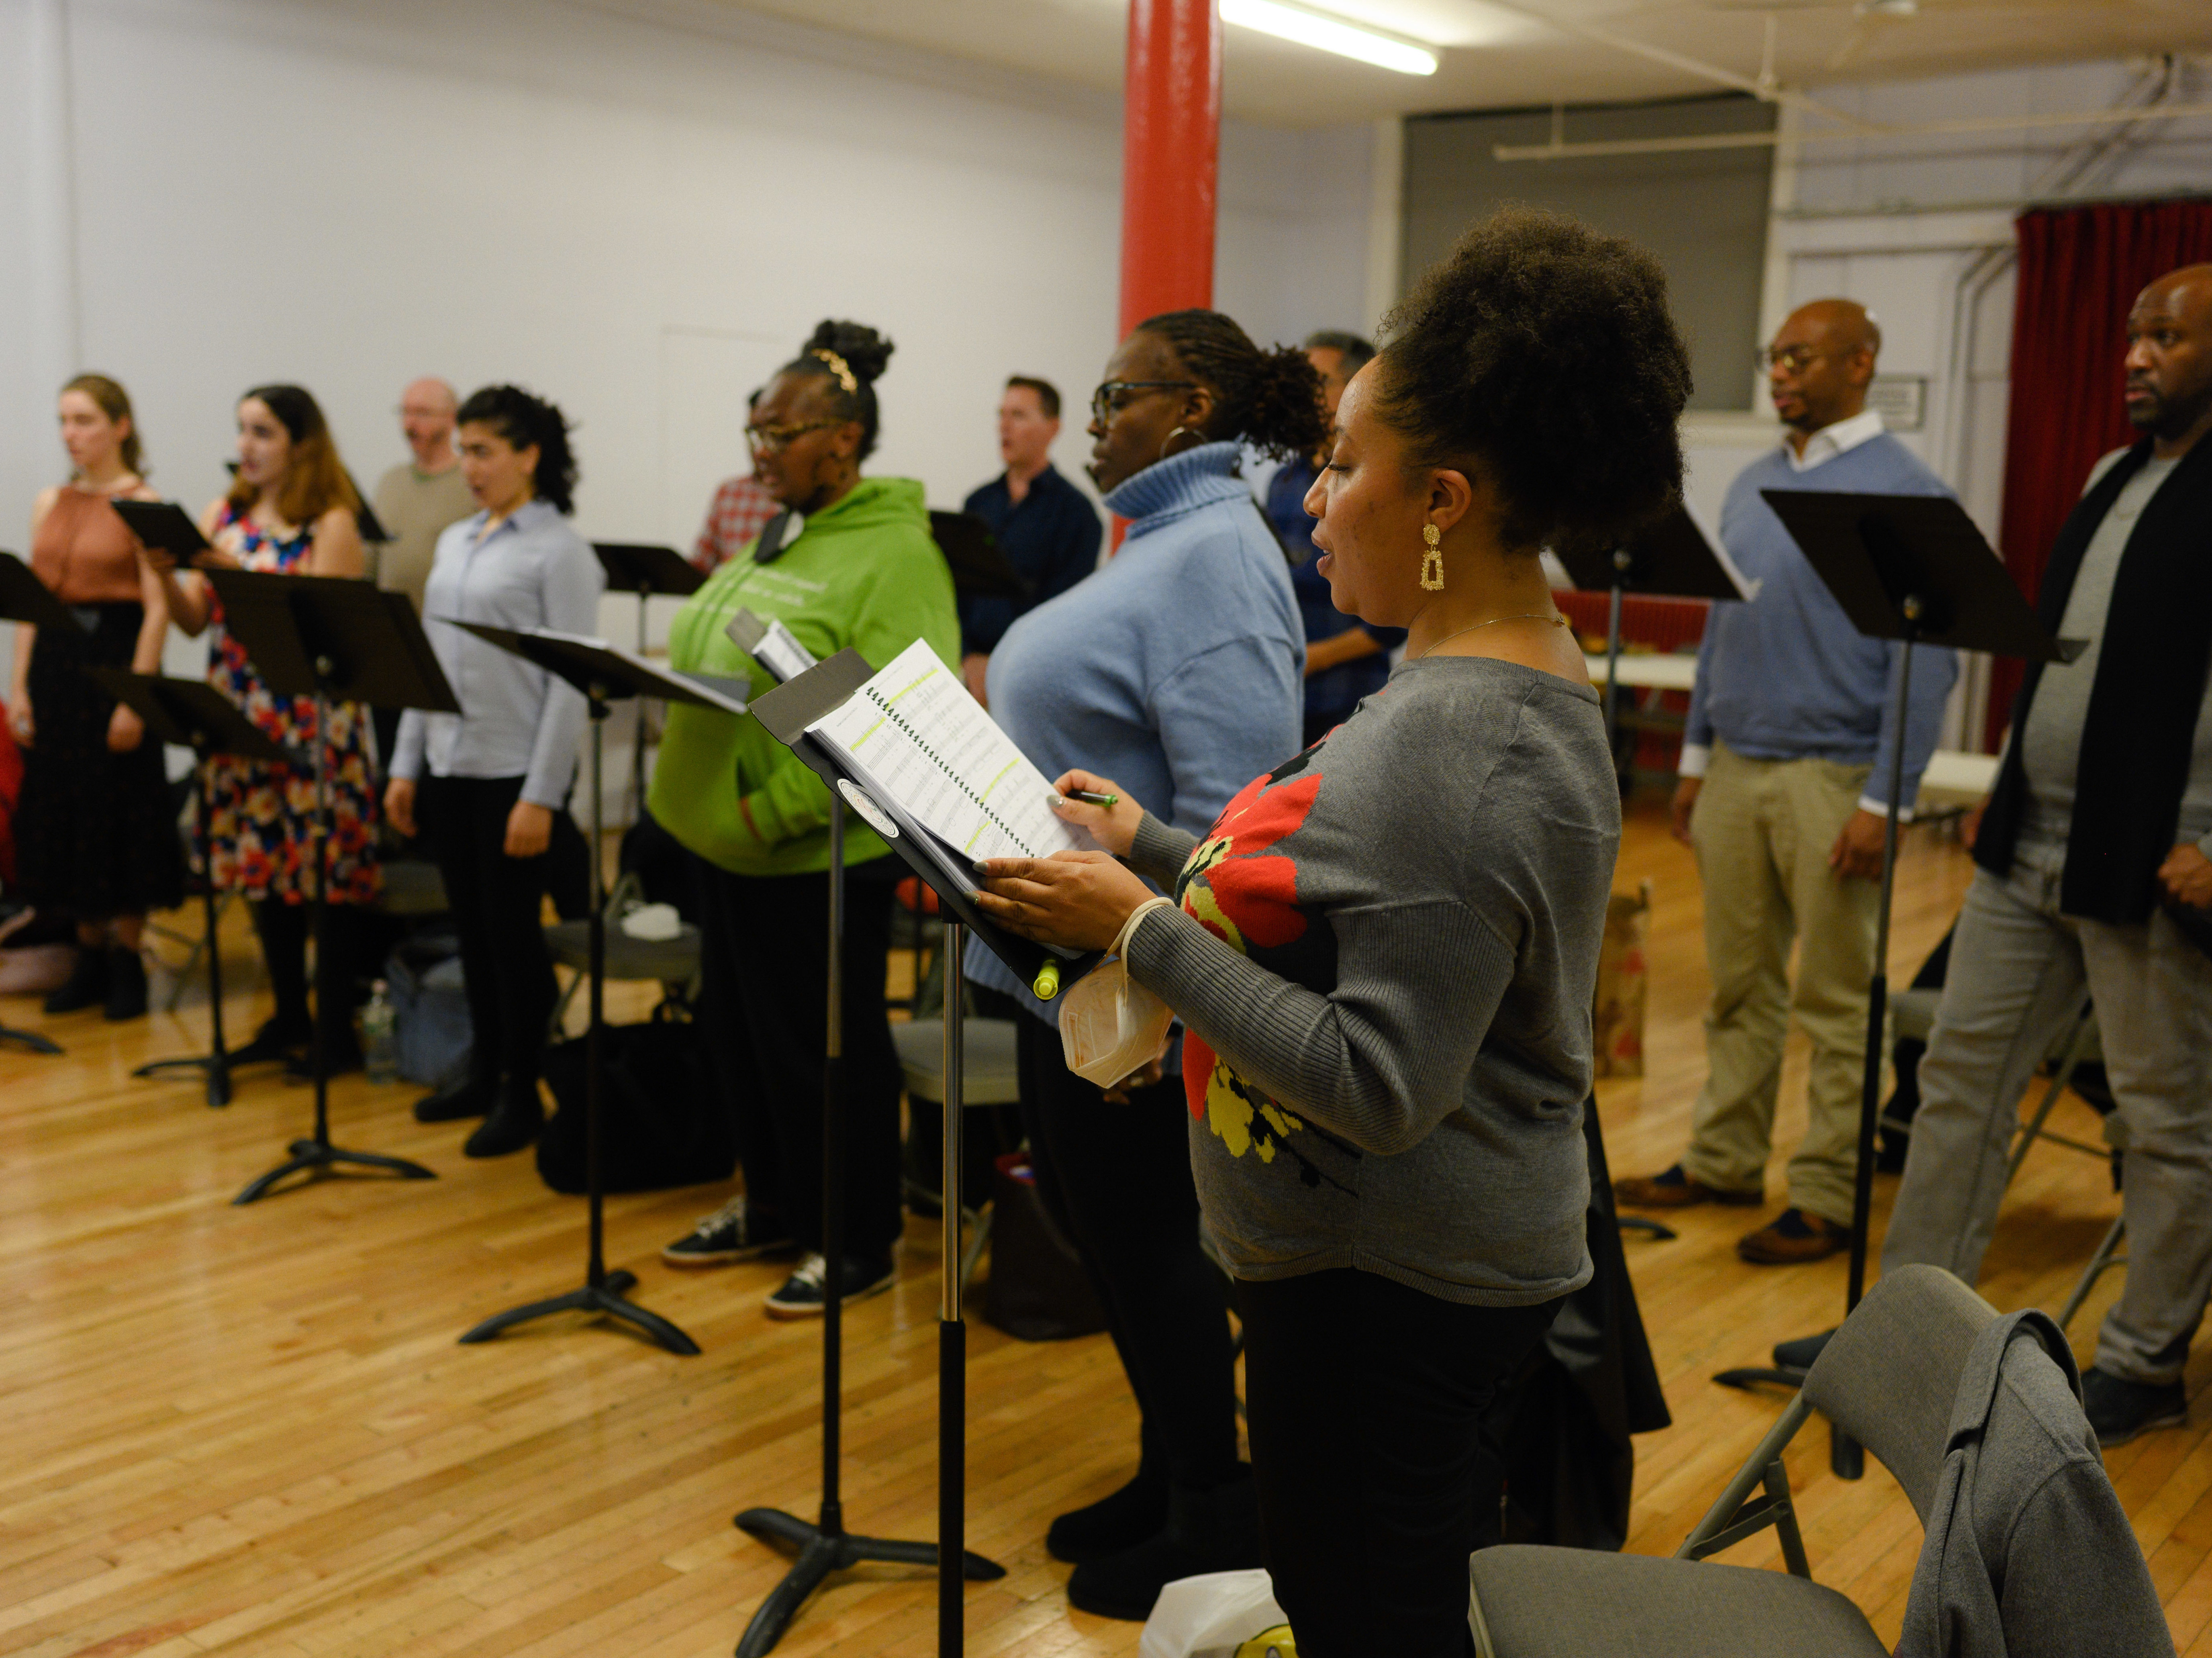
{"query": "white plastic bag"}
(1110, 1024)
(1224, 1614)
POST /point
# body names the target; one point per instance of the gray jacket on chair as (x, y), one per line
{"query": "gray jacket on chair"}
(2027, 1552)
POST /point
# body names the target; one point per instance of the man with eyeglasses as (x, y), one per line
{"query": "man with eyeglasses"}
(1782, 793)
(1042, 523)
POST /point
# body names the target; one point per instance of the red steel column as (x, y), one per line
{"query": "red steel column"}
(1171, 135)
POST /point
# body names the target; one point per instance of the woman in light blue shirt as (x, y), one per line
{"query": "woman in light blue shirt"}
(500, 770)
(1181, 663)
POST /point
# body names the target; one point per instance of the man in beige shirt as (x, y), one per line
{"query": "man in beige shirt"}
(419, 498)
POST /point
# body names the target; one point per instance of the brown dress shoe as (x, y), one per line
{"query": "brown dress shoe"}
(1675, 1190)
(1791, 1237)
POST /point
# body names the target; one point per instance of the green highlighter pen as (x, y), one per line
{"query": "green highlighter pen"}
(1090, 800)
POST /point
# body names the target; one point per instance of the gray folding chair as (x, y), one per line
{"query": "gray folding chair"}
(989, 1076)
(1888, 1378)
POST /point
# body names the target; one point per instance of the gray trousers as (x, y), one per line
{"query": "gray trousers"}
(2020, 971)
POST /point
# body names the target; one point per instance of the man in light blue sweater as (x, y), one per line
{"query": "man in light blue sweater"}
(1784, 787)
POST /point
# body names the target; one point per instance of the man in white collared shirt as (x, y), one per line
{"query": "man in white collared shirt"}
(1784, 777)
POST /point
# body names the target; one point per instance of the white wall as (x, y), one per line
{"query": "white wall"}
(637, 210)
(636, 207)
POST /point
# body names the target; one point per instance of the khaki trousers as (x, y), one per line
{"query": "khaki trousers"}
(1764, 830)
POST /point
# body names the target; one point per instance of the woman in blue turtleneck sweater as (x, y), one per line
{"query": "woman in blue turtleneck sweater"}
(1176, 670)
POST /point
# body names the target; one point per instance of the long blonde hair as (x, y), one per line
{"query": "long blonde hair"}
(113, 402)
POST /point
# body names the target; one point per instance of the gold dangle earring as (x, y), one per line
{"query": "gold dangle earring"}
(1432, 561)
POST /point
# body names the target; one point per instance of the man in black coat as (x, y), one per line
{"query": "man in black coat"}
(2095, 868)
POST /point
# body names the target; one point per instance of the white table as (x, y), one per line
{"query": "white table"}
(1648, 671)
(1954, 778)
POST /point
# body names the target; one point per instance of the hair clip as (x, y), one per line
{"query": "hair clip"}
(839, 367)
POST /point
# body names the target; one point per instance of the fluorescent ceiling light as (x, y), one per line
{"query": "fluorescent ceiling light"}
(1328, 34)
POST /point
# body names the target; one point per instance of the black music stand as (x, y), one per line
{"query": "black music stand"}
(825, 1547)
(603, 674)
(1670, 557)
(24, 597)
(333, 638)
(980, 570)
(1916, 569)
(644, 568)
(192, 714)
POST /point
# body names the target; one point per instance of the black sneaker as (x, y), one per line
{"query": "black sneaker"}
(806, 1291)
(2119, 1409)
(733, 1232)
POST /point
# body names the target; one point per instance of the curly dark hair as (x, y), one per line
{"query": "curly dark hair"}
(522, 419)
(1270, 399)
(865, 353)
(1545, 352)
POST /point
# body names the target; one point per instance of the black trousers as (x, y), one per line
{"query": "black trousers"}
(1117, 1180)
(1364, 1401)
(497, 903)
(283, 929)
(764, 1010)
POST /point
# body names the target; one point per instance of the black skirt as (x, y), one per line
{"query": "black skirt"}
(95, 831)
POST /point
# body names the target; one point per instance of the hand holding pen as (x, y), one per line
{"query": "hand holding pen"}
(1098, 805)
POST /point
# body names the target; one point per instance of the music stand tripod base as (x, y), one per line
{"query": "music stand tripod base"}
(30, 1039)
(314, 1156)
(604, 1298)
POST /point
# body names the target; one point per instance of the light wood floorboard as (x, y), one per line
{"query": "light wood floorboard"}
(251, 1430)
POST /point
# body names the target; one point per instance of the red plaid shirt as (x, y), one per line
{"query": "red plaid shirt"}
(742, 506)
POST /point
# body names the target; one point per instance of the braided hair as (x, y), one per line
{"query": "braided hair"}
(524, 420)
(850, 357)
(1269, 399)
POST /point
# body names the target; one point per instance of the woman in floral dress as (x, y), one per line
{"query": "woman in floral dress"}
(289, 512)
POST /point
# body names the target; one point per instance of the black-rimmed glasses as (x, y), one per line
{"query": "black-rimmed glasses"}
(769, 440)
(1106, 401)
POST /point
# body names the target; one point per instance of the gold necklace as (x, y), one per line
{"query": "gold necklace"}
(1528, 615)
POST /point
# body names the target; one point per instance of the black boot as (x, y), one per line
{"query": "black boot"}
(1213, 1530)
(87, 984)
(277, 1039)
(513, 1123)
(1137, 1511)
(126, 985)
(471, 1096)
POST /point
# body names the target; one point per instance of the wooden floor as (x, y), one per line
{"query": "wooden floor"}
(251, 1431)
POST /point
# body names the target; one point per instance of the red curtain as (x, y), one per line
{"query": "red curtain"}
(2080, 268)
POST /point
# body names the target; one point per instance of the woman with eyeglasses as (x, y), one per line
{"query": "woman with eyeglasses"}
(1178, 669)
(1382, 951)
(849, 562)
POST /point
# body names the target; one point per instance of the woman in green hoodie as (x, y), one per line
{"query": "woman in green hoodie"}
(857, 569)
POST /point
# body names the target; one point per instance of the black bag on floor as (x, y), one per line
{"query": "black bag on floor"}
(1037, 1289)
(660, 1122)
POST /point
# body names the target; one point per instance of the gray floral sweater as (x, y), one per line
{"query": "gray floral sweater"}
(1384, 959)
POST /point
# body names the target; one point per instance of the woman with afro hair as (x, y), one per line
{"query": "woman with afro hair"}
(1382, 951)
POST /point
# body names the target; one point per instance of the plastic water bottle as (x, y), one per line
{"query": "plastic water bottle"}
(380, 1047)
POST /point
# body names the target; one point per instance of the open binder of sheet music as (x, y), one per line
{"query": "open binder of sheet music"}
(922, 748)
(770, 644)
